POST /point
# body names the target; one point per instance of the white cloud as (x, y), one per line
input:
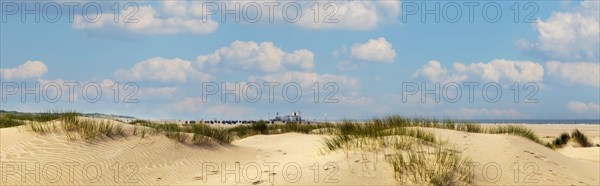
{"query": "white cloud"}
(496, 71)
(355, 99)
(575, 73)
(30, 69)
(161, 69)
(188, 105)
(64, 93)
(468, 113)
(264, 56)
(434, 71)
(583, 108)
(517, 71)
(307, 79)
(347, 65)
(376, 50)
(352, 15)
(170, 18)
(157, 92)
(571, 35)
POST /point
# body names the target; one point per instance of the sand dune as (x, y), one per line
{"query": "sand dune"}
(282, 159)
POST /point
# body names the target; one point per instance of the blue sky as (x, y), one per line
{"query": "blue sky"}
(368, 54)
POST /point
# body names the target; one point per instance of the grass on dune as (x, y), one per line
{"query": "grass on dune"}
(202, 134)
(415, 154)
(515, 130)
(71, 124)
(42, 127)
(373, 127)
(180, 137)
(399, 121)
(10, 122)
(470, 127)
(576, 136)
(561, 141)
(580, 138)
(18, 119)
(41, 117)
(90, 129)
(430, 165)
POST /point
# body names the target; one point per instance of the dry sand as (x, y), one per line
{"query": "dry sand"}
(283, 159)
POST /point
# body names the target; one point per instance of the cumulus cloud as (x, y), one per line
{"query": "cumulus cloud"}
(573, 35)
(583, 108)
(307, 79)
(352, 15)
(575, 73)
(517, 71)
(496, 70)
(157, 92)
(375, 50)
(468, 113)
(434, 72)
(347, 65)
(91, 91)
(170, 17)
(164, 70)
(188, 105)
(263, 56)
(28, 70)
(355, 99)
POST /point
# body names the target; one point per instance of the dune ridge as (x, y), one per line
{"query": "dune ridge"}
(280, 159)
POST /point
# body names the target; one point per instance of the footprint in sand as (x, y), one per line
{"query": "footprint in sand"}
(543, 158)
(528, 152)
(198, 178)
(258, 182)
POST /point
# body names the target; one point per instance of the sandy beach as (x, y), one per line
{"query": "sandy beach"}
(283, 159)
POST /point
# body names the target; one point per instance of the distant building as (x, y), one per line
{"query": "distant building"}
(294, 117)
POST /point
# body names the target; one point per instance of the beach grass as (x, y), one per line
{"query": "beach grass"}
(580, 138)
(376, 127)
(49, 115)
(6, 122)
(416, 156)
(561, 141)
(515, 130)
(201, 133)
(430, 165)
(41, 127)
(90, 129)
